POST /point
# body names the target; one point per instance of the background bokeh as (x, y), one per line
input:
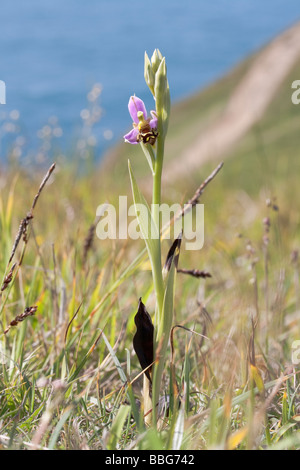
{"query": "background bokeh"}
(53, 52)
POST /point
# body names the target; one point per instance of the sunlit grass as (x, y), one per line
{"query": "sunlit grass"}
(60, 384)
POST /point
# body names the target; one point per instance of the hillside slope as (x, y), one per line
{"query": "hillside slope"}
(246, 105)
(244, 114)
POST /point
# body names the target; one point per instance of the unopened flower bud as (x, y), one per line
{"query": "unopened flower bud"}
(162, 96)
(156, 60)
(149, 74)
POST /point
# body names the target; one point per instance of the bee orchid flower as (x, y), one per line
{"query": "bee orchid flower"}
(144, 127)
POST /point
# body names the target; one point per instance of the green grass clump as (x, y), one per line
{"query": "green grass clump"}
(69, 378)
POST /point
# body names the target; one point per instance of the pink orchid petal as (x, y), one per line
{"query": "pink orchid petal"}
(131, 137)
(134, 106)
(153, 122)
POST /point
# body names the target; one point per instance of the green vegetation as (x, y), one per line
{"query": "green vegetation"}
(69, 378)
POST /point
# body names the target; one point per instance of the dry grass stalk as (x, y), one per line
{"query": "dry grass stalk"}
(194, 272)
(88, 242)
(22, 232)
(8, 278)
(28, 312)
(194, 200)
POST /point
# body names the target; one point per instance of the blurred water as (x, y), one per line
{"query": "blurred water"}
(52, 52)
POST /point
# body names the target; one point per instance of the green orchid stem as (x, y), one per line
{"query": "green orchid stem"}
(158, 280)
(156, 201)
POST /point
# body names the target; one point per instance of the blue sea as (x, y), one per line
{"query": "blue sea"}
(52, 53)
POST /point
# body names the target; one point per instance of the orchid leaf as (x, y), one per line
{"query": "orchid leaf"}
(163, 331)
(166, 320)
(149, 154)
(170, 268)
(147, 225)
(143, 339)
(167, 316)
(173, 254)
